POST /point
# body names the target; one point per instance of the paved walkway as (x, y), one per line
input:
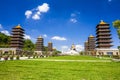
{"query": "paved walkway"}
(56, 60)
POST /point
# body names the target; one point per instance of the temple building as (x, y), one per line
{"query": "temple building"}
(104, 40)
(103, 35)
(39, 44)
(73, 47)
(17, 37)
(16, 41)
(72, 51)
(50, 46)
(89, 45)
(101, 45)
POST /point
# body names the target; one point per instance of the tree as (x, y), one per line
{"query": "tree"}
(28, 45)
(116, 25)
(45, 48)
(4, 40)
(55, 52)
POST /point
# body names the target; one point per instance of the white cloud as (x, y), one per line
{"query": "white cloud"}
(73, 20)
(59, 38)
(28, 13)
(35, 13)
(1, 26)
(45, 35)
(43, 8)
(38, 13)
(64, 47)
(36, 17)
(6, 32)
(73, 15)
(79, 47)
(27, 36)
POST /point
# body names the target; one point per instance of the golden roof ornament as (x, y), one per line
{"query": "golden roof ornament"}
(40, 37)
(18, 26)
(91, 36)
(49, 42)
(102, 22)
(73, 47)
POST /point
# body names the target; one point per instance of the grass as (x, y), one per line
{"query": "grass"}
(44, 70)
(76, 58)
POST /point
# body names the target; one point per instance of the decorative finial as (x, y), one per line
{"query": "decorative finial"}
(73, 47)
(91, 35)
(102, 21)
(40, 36)
(49, 42)
(18, 24)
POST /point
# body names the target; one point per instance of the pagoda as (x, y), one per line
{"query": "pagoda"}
(91, 43)
(50, 46)
(17, 37)
(103, 35)
(39, 44)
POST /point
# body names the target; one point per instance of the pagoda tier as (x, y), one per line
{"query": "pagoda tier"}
(17, 39)
(103, 35)
(106, 41)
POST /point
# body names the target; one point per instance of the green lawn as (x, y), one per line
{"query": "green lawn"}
(50, 70)
(77, 58)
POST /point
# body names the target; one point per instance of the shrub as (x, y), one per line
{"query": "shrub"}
(37, 56)
(116, 56)
(11, 57)
(106, 56)
(21, 55)
(33, 56)
(0, 57)
(17, 57)
(6, 57)
(28, 56)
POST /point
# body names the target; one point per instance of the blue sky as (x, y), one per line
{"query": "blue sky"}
(63, 22)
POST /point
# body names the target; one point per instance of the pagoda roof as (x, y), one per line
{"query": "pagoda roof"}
(18, 26)
(49, 42)
(40, 37)
(102, 22)
(91, 36)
